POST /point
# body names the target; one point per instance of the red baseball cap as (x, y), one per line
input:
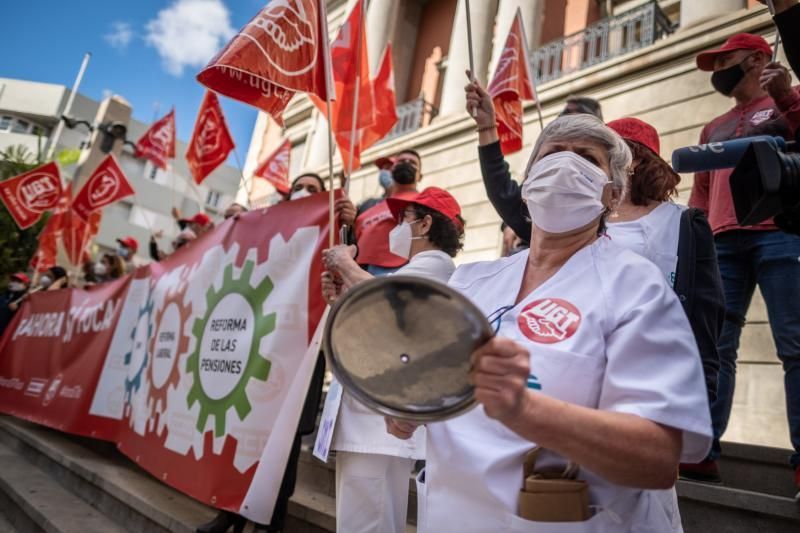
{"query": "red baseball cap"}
(201, 219)
(20, 276)
(634, 129)
(129, 242)
(740, 41)
(434, 198)
(384, 162)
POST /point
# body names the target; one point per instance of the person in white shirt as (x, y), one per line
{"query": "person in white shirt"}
(593, 360)
(373, 467)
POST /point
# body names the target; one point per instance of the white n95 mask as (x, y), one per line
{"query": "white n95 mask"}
(300, 193)
(564, 192)
(400, 239)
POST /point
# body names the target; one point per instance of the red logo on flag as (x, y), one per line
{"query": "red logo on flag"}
(29, 195)
(275, 169)
(211, 141)
(512, 82)
(280, 51)
(549, 320)
(106, 185)
(158, 142)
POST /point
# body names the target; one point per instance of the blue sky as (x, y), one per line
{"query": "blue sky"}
(147, 51)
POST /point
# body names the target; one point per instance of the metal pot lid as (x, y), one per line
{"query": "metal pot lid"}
(401, 345)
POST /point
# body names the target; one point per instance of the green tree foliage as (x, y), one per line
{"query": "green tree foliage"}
(16, 246)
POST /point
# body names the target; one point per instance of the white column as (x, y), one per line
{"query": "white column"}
(482, 18)
(694, 12)
(531, 18)
(317, 144)
(381, 17)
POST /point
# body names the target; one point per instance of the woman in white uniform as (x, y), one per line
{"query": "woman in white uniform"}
(373, 467)
(593, 360)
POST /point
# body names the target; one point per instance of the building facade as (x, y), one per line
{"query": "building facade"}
(636, 57)
(29, 113)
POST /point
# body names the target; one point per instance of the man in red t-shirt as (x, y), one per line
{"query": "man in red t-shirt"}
(765, 104)
(373, 225)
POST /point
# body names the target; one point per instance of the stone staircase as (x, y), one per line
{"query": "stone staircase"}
(53, 482)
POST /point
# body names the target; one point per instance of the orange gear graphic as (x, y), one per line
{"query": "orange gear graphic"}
(157, 397)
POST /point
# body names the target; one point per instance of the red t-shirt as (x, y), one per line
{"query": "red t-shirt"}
(711, 191)
(372, 234)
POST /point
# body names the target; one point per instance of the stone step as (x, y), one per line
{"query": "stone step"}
(33, 502)
(5, 525)
(758, 469)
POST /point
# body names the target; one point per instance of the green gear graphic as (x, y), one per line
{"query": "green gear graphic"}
(257, 367)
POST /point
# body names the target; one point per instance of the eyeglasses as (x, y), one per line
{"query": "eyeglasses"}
(496, 317)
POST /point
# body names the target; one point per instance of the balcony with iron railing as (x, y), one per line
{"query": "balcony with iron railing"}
(602, 41)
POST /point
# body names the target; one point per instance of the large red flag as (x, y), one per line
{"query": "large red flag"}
(275, 168)
(106, 185)
(354, 98)
(45, 256)
(29, 195)
(385, 102)
(282, 50)
(158, 142)
(512, 82)
(211, 141)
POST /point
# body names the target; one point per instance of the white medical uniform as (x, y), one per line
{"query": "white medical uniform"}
(372, 466)
(605, 332)
(654, 236)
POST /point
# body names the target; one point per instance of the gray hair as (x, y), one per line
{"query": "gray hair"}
(583, 127)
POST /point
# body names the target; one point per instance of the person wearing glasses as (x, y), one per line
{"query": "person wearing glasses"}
(373, 467)
(593, 362)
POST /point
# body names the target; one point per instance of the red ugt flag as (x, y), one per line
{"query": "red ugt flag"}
(350, 65)
(29, 195)
(385, 102)
(45, 256)
(280, 51)
(211, 141)
(275, 168)
(158, 142)
(106, 185)
(512, 82)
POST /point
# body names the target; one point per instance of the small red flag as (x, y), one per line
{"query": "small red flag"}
(350, 65)
(29, 195)
(77, 235)
(383, 89)
(106, 185)
(280, 51)
(275, 168)
(512, 82)
(158, 142)
(45, 256)
(211, 141)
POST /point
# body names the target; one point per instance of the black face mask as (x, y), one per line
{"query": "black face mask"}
(404, 173)
(726, 80)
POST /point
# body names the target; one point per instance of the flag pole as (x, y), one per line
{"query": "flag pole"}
(469, 47)
(771, 7)
(60, 126)
(354, 122)
(323, 20)
(527, 62)
(243, 180)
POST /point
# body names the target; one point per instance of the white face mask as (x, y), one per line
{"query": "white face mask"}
(123, 252)
(400, 239)
(99, 269)
(16, 286)
(45, 281)
(301, 193)
(564, 192)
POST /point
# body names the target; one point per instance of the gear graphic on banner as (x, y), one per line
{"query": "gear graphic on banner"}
(166, 346)
(136, 359)
(226, 355)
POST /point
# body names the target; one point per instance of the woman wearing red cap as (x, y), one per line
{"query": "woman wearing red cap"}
(372, 466)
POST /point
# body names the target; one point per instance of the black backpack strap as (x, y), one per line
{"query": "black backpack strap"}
(684, 275)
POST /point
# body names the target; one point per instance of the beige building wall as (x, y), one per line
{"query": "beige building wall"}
(659, 84)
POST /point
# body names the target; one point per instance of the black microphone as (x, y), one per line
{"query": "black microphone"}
(717, 155)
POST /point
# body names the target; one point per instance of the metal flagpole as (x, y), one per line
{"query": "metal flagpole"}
(771, 7)
(60, 126)
(527, 62)
(469, 47)
(328, 88)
